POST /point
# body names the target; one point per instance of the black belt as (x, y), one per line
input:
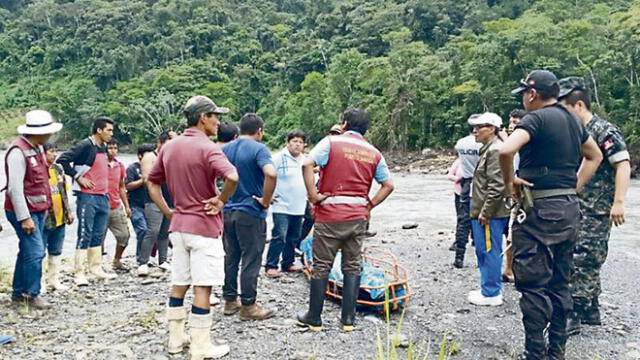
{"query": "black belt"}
(528, 173)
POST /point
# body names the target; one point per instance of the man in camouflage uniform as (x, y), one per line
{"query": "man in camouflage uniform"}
(601, 203)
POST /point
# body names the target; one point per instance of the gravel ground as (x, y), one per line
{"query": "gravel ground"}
(124, 319)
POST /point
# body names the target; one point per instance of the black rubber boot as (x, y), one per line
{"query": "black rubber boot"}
(312, 318)
(591, 314)
(555, 354)
(459, 261)
(535, 347)
(350, 290)
(573, 321)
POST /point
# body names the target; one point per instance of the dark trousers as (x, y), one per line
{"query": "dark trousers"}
(244, 238)
(307, 223)
(93, 216)
(328, 238)
(284, 236)
(463, 209)
(54, 240)
(543, 258)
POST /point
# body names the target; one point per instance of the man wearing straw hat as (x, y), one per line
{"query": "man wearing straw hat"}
(27, 201)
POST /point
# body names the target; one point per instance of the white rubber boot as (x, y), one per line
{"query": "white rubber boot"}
(178, 339)
(80, 276)
(201, 346)
(95, 264)
(53, 273)
(43, 278)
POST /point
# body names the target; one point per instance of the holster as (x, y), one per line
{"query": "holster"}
(526, 198)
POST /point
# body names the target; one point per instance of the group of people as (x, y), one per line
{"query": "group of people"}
(209, 201)
(548, 191)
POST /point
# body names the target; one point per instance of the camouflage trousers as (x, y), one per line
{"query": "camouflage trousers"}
(590, 253)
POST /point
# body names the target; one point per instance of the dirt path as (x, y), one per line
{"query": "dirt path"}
(125, 319)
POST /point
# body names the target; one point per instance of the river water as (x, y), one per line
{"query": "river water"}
(423, 199)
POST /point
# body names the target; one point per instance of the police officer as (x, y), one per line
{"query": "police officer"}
(348, 165)
(551, 142)
(601, 202)
(467, 149)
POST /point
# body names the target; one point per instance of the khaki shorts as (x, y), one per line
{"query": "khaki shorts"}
(197, 260)
(119, 226)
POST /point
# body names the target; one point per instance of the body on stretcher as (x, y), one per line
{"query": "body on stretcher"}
(380, 274)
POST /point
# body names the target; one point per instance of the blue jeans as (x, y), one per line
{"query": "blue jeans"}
(284, 236)
(489, 262)
(93, 216)
(139, 223)
(54, 239)
(28, 271)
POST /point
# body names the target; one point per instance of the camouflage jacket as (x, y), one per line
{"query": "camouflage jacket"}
(596, 197)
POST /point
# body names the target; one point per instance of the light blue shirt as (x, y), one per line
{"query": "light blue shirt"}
(320, 154)
(291, 193)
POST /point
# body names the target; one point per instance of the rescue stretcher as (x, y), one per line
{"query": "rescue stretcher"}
(382, 279)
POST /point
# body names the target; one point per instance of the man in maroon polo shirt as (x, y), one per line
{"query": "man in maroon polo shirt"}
(190, 165)
(119, 209)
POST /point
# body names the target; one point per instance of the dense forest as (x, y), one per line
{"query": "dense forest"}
(420, 67)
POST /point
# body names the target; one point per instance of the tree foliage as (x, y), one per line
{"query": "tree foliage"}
(419, 67)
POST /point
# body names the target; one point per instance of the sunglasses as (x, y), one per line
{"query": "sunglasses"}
(478, 127)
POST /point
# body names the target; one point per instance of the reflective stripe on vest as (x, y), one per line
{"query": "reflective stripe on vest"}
(36, 199)
(354, 200)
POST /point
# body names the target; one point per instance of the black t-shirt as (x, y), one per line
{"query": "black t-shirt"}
(553, 153)
(139, 196)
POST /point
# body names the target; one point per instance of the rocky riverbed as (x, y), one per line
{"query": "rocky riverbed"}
(124, 318)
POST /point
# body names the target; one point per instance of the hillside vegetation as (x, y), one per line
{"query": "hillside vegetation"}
(419, 67)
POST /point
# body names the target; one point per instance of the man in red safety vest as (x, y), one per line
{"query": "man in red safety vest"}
(27, 201)
(348, 165)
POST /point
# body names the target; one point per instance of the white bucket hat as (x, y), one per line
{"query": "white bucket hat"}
(39, 122)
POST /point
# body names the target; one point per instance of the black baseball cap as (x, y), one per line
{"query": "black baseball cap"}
(543, 80)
